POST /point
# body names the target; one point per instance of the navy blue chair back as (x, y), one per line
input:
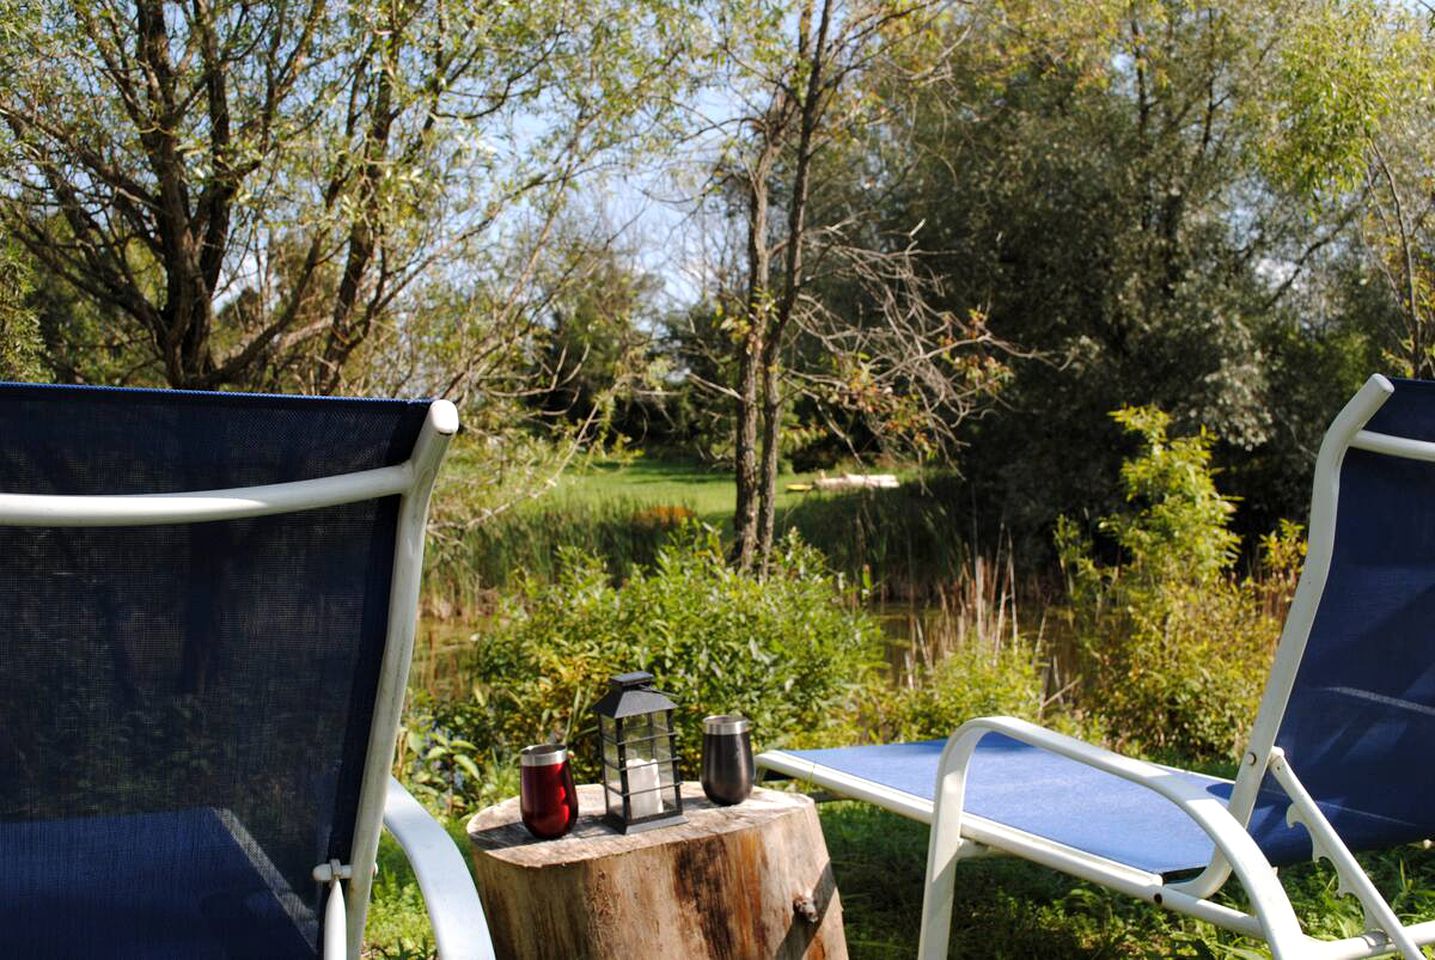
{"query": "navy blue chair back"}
(1360, 723)
(185, 708)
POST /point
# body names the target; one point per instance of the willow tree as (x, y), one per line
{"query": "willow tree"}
(19, 332)
(799, 83)
(253, 190)
(1354, 126)
(1086, 172)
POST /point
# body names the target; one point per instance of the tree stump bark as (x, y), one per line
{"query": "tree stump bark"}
(746, 882)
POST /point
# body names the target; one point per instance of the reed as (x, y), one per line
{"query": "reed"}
(905, 543)
(469, 564)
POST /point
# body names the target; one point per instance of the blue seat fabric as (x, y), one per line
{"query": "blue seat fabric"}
(130, 890)
(1062, 800)
(227, 665)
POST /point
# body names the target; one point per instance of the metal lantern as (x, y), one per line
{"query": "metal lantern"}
(639, 754)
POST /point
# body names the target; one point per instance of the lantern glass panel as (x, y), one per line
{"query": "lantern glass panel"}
(612, 765)
(663, 753)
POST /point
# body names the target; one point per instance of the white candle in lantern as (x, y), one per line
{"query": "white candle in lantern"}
(643, 789)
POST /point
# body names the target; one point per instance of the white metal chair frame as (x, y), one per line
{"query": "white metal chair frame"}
(956, 835)
(460, 932)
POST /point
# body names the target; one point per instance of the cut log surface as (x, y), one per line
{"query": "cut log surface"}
(746, 882)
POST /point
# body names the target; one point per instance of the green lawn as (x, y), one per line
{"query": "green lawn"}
(709, 492)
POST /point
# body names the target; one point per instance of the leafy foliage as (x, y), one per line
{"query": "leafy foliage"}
(268, 196)
(1174, 649)
(20, 347)
(1341, 78)
(971, 681)
(786, 652)
(1180, 524)
(1090, 176)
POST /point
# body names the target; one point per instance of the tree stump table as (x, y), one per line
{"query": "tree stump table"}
(746, 882)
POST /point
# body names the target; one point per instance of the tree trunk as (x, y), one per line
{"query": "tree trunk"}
(744, 521)
(746, 882)
(771, 459)
(810, 111)
(750, 351)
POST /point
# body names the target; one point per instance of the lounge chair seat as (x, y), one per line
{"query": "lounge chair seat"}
(1015, 785)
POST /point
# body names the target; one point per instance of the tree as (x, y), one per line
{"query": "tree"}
(794, 101)
(1354, 126)
(596, 349)
(256, 190)
(1089, 176)
(19, 328)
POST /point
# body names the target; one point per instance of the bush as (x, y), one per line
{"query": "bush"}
(441, 765)
(785, 652)
(1173, 649)
(970, 681)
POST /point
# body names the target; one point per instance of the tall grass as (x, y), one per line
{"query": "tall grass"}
(906, 543)
(979, 607)
(971, 652)
(468, 563)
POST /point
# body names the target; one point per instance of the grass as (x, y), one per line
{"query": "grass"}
(909, 540)
(619, 511)
(709, 492)
(1004, 908)
(397, 927)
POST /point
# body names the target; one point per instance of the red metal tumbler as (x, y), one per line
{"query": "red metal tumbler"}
(546, 795)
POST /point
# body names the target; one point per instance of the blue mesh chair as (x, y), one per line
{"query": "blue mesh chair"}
(1339, 759)
(208, 612)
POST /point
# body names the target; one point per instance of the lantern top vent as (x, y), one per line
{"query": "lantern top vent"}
(631, 694)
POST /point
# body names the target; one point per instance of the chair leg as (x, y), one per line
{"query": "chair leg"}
(936, 927)
(1327, 844)
(335, 922)
(945, 847)
(335, 933)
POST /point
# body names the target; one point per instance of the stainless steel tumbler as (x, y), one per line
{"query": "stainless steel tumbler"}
(728, 770)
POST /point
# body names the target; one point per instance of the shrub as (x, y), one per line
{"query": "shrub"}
(970, 681)
(785, 651)
(971, 658)
(441, 765)
(1173, 649)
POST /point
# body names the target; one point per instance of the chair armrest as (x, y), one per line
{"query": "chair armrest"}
(460, 931)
